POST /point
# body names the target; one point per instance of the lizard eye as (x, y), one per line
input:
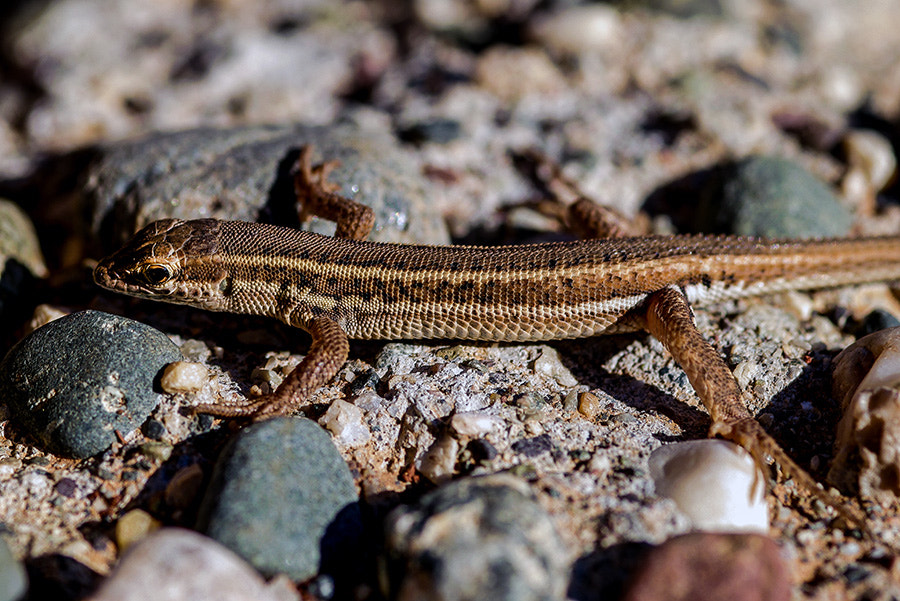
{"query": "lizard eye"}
(156, 274)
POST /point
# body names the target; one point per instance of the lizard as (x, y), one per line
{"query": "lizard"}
(342, 286)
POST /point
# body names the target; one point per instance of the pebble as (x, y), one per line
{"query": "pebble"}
(477, 538)
(773, 197)
(242, 174)
(713, 567)
(550, 365)
(714, 483)
(13, 579)
(282, 498)
(75, 382)
(345, 422)
(184, 376)
(475, 423)
(134, 526)
(181, 565)
(439, 461)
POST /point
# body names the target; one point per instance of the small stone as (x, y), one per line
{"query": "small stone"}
(511, 73)
(345, 422)
(474, 423)
(76, 381)
(713, 567)
(184, 487)
(180, 565)
(13, 579)
(184, 376)
(133, 527)
(439, 460)
(714, 483)
(870, 154)
(477, 538)
(550, 365)
(532, 447)
(589, 405)
(282, 497)
(581, 28)
(773, 197)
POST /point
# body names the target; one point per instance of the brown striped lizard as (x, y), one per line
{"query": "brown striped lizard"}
(344, 287)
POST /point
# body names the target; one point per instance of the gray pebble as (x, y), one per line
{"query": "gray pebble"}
(774, 197)
(76, 381)
(13, 580)
(283, 498)
(244, 174)
(478, 538)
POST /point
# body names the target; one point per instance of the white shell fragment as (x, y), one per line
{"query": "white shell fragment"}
(867, 450)
(715, 483)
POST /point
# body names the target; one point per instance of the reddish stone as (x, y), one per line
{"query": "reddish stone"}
(712, 567)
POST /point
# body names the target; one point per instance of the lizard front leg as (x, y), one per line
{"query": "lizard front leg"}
(327, 353)
(329, 348)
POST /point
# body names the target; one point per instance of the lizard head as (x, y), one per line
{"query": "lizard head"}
(169, 260)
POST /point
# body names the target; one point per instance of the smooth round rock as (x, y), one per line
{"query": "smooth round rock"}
(478, 538)
(776, 198)
(74, 382)
(244, 174)
(282, 498)
(181, 565)
(13, 580)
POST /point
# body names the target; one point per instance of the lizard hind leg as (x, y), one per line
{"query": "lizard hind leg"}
(318, 196)
(566, 203)
(668, 318)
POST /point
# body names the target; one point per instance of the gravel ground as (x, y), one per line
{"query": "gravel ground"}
(648, 106)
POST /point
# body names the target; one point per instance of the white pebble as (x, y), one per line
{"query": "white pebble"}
(184, 376)
(872, 155)
(474, 423)
(439, 461)
(345, 422)
(714, 483)
(180, 565)
(581, 28)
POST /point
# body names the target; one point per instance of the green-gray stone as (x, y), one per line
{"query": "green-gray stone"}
(74, 382)
(282, 498)
(773, 197)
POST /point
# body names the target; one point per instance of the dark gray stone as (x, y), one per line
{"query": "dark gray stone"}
(282, 498)
(244, 174)
(478, 538)
(74, 382)
(13, 580)
(776, 198)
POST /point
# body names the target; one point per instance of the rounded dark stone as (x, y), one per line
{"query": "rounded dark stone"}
(282, 498)
(477, 538)
(775, 198)
(76, 381)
